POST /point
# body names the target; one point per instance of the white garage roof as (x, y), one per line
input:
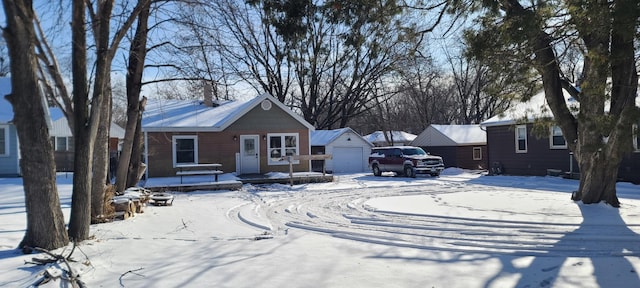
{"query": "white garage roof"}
(451, 135)
(325, 137)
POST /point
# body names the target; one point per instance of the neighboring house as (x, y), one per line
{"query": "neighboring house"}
(350, 152)
(463, 146)
(514, 149)
(397, 138)
(62, 140)
(246, 137)
(9, 153)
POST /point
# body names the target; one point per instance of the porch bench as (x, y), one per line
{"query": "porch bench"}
(215, 173)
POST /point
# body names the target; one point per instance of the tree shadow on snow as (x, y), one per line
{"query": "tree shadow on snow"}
(603, 240)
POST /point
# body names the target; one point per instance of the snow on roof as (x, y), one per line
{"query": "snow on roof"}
(115, 131)
(189, 115)
(463, 134)
(161, 113)
(56, 113)
(530, 110)
(60, 125)
(324, 137)
(398, 136)
(6, 110)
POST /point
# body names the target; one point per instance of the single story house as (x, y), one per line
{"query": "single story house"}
(350, 152)
(9, 149)
(514, 149)
(62, 140)
(245, 137)
(463, 146)
(396, 138)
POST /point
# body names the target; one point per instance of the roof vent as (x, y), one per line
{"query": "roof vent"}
(266, 104)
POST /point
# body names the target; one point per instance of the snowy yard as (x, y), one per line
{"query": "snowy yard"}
(459, 230)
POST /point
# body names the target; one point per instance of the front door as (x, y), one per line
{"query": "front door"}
(249, 154)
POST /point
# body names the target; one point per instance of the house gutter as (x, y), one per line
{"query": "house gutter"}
(146, 156)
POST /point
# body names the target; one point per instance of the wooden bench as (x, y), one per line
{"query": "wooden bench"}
(215, 173)
(205, 169)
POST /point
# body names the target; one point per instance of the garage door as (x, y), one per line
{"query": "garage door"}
(347, 160)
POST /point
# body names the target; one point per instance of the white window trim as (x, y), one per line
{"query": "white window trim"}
(526, 144)
(195, 148)
(551, 146)
(479, 153)
(7, 152)
(282, 135)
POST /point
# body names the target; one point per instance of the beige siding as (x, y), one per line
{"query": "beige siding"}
(272, 121)
(220, 147)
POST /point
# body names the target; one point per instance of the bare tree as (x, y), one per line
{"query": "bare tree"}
(479, 92)
(128, 162)
(85, 135)
(263, 51)
(45, 221)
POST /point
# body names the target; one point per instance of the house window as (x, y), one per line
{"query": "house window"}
(280, 145)
(477, 153)
(185, 150)
(521, 139)
(62, 143)
(4, 141)
(556, 139)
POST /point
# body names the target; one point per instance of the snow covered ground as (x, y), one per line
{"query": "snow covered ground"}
(459, 230)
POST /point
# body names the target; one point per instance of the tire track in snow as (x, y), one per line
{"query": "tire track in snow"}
(343, 214)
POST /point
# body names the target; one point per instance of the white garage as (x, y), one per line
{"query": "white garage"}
(350, 152)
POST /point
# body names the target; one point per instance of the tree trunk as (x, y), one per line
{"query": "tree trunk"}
(80, 218)
(597, 137)
(45, 221)
(101, 162)
(597, 179)
(137, 149)
(137, 55)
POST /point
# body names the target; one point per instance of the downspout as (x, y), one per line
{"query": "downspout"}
(484, 128)
(146, 156)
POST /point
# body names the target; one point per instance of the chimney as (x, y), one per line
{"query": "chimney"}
(208, 95)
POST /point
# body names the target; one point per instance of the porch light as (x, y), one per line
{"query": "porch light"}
(235, 138)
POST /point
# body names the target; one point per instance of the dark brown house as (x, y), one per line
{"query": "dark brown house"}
(514, 149)
(462, 146)
(246, 137)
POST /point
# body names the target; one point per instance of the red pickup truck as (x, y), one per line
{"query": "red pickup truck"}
(404, 160)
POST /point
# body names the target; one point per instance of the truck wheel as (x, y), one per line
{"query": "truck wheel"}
(376, 170)
(408, 171)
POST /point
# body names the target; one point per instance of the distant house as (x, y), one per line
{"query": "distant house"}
(463, 146)
(62, 140)
(246, 137)
(392, 138)
(349, 150)
(515, 150)
(9, 153)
